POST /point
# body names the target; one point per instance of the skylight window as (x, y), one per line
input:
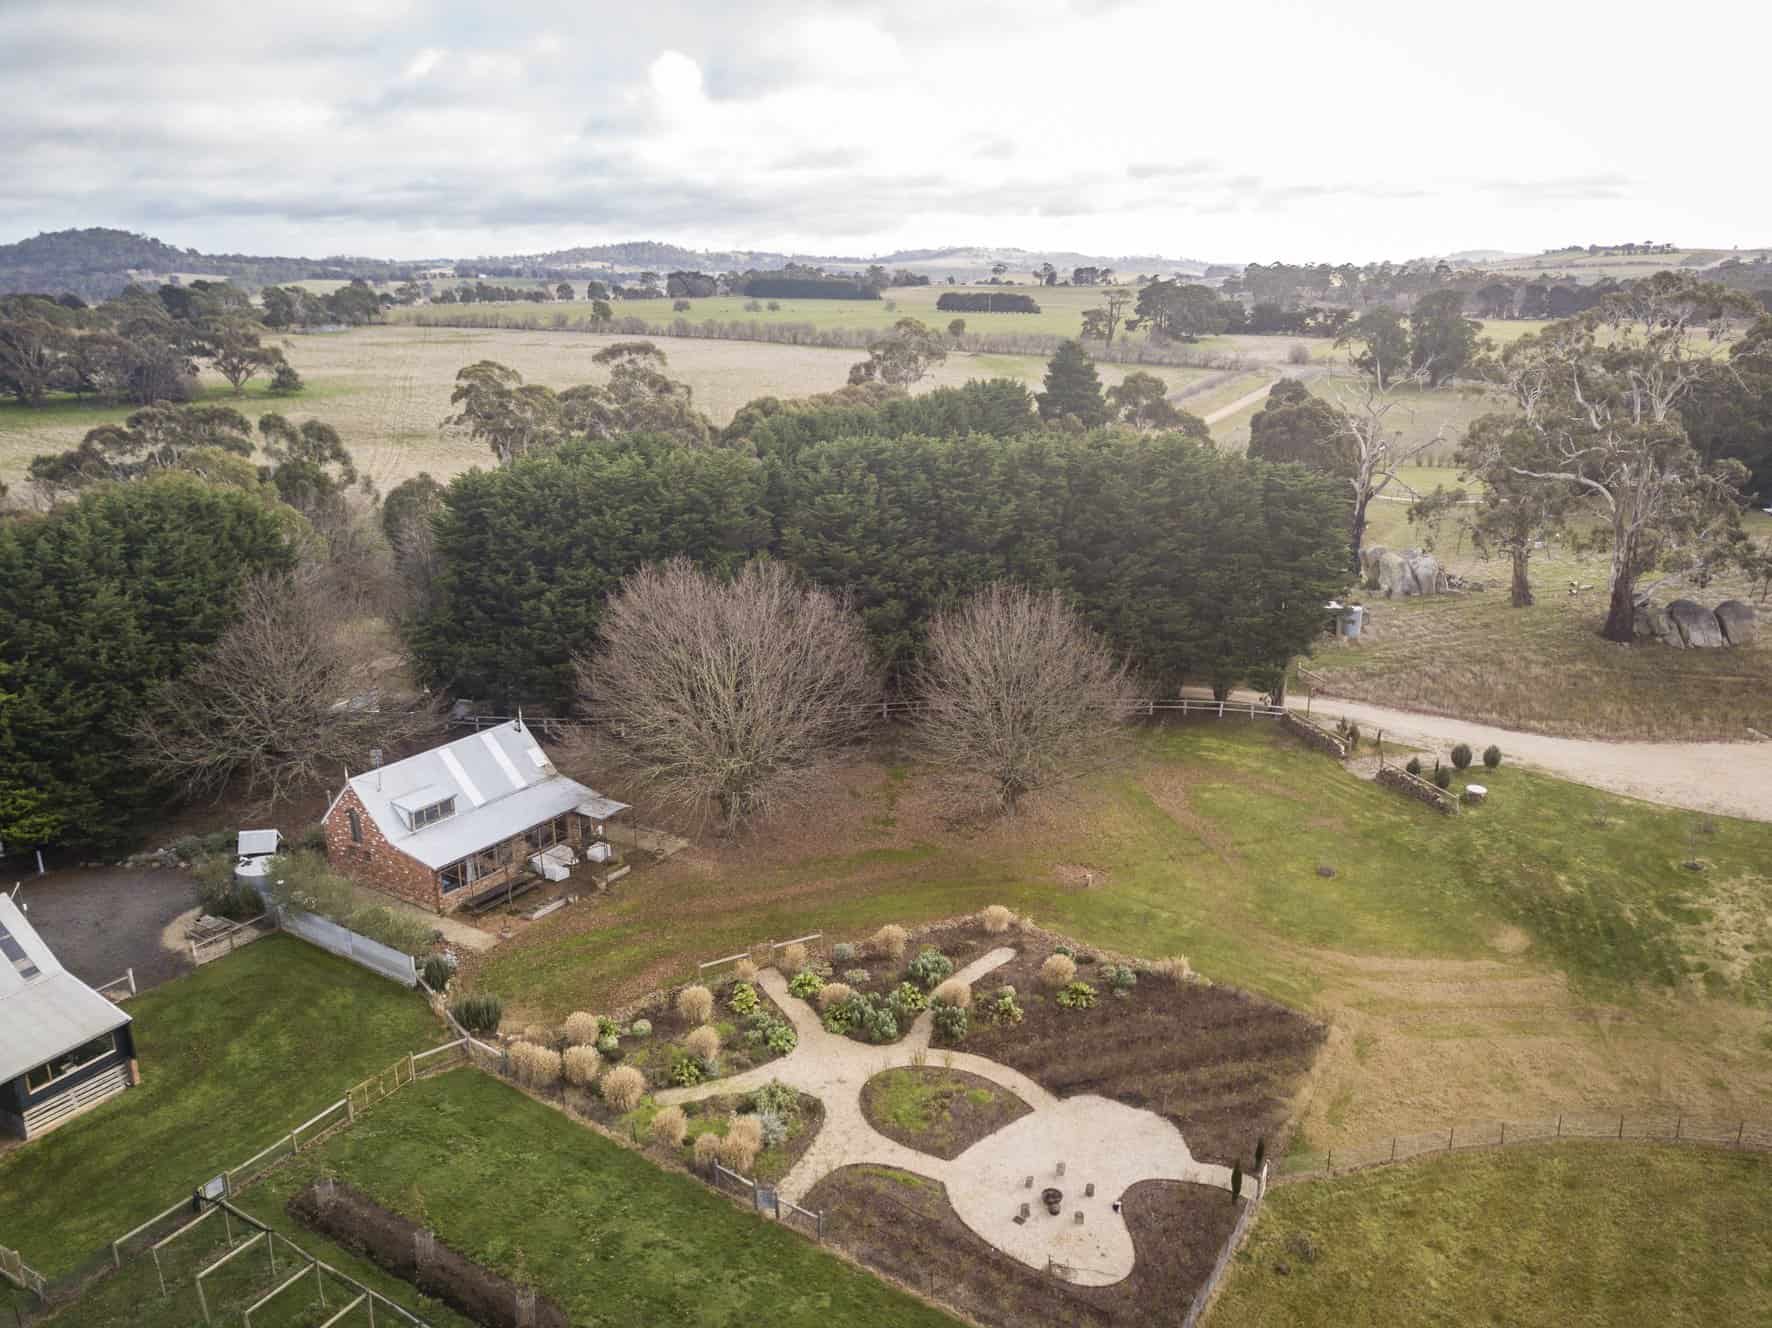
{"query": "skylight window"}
(16, 956)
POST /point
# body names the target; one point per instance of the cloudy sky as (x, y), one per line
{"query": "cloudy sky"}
(1246, 131)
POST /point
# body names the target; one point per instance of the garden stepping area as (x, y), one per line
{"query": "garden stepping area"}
(1103, 1147)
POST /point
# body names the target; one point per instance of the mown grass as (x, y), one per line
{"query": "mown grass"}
(524, 1190)
(1564, 1234)
(231, 1055)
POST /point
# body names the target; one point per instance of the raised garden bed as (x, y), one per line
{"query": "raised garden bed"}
(903, 1226)
(937, 1111)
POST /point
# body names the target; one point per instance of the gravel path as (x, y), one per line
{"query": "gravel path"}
(1071, 1144)
(102, 921)
(1727, 778)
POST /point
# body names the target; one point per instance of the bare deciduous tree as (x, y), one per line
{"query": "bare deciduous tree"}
(1370, 448)
(1018, 692)
(722, 698)
(283, 701)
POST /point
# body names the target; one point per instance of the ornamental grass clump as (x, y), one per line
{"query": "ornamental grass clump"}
(745, 970)
(583, 1030)
(743, 1141)
(695, 1004)
(1058, 970)
(670, 1127)
(889, 941)
(623, 1087)
(707, 1149)
(833, 993)
(703, 1043)
(793, 958)
(535, 1065)
(952, 992)
(1176, 968)
(580, 1065)
(996, 919)
(478, 1014)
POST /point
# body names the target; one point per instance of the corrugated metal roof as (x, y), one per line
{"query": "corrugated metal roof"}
(599, 808)
(502, 781)
(255, 842)
(53, 1012)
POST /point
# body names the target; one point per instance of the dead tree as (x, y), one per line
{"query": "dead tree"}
(724, 699)
(1017, 693)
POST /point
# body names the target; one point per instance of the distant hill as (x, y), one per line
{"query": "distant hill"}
(961, 261)
(99, 261)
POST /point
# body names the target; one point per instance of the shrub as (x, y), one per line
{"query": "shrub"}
(1442, 777)
(695, 1004)
(1064, 950)
(436, 971)
(1461, 756)
(775, 1129)
(793, 958)
(753, 306)
(680, 306)
(623, 1087)
(1001, 1009)
(1120, 979)
(641, 1028)
(1058, 970)
(704, 1042)
(1414, 766)
(743, 999)
(222, 895)
(777, 1097)
(957, 327)
(880, 1024)
(775, 306)
(996, 919)
(805, 983)
(889, 941)
(670, 1127)
(537, 1033)
(478, 1014)
(951, 1022)
(583, 1030)
(745, 970)
(833, 993)
(609, 1044)
(535, 1065)
(930, 968)
(952, 992)
(686, 1071)
(1492, 757)
(707, 1149)
(780, 1037)
(856, 976)
(907, 999)
(1176, 968)
(1297, 354)
(744, 1136)
(1077, 996)
(580, 1065)
(843, 952)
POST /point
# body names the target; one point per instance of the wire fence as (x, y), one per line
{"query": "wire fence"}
(1245, 1219)
(1584, 1125)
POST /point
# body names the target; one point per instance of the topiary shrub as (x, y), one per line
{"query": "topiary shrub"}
(1077, 996)
(478, 1014)
(996, 919)
(580, 1066)
(1001, 1009)
(703, 1043)
(889, 941)
(436, 972)
(622, 1087)
(1058, 970)
(1461, 756)
(930, 968)
(805, 984)
(695, 1004)
(670, 1127)
(1442, 777)
(536, 1066)
(951, 1022)
(833, 993)
(1120, 979)
(793, 958)
(743, 999)
(641, 1028)
(907, 1000)
(952, 992)
(1413, 766)
(1492, 757)
(583, 1030)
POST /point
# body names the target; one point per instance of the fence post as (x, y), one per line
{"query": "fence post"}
(1450, 1130)
(1559, 1125)
(1393, 1148)
(131, 974)
(1621, 1125)
(1504, 1134)
(1739, 1131)
(1679, 1121)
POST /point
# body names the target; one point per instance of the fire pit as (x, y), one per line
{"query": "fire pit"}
(1053, 1199)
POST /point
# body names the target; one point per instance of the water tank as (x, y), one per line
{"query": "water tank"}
(1353, 618)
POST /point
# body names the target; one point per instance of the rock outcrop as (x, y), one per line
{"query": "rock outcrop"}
(1696, 624)
(1686, 624)
(1400, 573)
(1739, 623)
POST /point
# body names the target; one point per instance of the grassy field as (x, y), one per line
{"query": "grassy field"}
(523, 1189)
(242, 1048)
(1571, 1234)
(1547, 950)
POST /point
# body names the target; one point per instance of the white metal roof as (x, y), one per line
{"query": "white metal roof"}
(600, 808)
(502, 782)
(254, 843)
(45, 1015)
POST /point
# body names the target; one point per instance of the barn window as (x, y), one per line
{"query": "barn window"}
(356, 825)
(69, 1061)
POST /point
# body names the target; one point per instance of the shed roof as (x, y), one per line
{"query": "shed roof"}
(47, 1013)
(502, 783)
(255, 843)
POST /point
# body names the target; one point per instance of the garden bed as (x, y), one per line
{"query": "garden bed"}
(712, 1114)
(936, 1111)
(903, 1226)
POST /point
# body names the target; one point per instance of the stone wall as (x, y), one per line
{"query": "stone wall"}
(375, 862)
(1314, 734)
(1441, 800)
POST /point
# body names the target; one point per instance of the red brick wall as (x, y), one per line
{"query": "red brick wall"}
(375, 862)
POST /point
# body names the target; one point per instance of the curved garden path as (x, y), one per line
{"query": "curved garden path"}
(1099, 1142)
(1728, 778)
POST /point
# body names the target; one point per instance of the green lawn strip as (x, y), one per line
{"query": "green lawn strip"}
(1553, 1235)
(60, 411)
(231, 1056)
(1595, 880)
(615, 1240)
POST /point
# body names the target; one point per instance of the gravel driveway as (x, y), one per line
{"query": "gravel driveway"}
(102, 921)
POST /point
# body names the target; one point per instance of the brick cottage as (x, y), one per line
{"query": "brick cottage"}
(459, 822)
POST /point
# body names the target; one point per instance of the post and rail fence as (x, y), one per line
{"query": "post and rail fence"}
(120, 989)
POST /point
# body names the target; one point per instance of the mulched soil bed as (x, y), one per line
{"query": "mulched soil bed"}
(772, 1163)
(904, 1227)
(959, 1109)
(357, 1222)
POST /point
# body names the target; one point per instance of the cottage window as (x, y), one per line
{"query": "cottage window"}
(435, 812)
(453, 877)
(356, 825)
(69, 1061)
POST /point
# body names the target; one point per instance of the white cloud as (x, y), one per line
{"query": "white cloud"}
(421, 65)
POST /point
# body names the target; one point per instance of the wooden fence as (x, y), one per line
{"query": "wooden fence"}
(772, 947)
(1579, 1126)
(226, 942)
(118, 989)
(1414, 786)
(766, 1201)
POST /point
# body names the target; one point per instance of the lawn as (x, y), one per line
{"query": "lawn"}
(232, 1054)
(523, 1189)
(1570, 1234)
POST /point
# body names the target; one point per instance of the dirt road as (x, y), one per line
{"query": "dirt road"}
(1729, 778)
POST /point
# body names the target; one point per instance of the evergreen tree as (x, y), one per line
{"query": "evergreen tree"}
(1073, 388)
